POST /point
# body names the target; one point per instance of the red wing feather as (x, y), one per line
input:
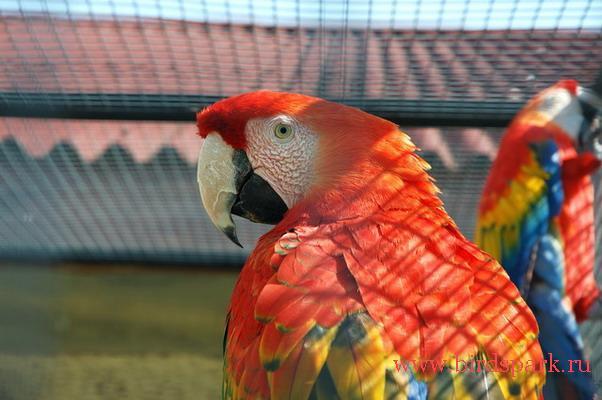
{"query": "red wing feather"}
(432, 294)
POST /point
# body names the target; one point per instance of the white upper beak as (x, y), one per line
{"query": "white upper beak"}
(216, 177)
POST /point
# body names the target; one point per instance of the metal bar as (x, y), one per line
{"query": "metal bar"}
(161, 107)
(37, 255)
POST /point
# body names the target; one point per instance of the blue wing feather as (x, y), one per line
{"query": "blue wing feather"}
(537, 221)
(539, 251)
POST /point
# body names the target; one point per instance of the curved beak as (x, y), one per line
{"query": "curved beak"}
(229, 186)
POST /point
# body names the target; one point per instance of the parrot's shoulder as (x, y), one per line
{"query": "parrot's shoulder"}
(520, 168)
(293, 317)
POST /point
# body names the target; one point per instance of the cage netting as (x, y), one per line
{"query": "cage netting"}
(97, 98)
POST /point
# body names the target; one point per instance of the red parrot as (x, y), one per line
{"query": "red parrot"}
(365, 288)
(537, 218)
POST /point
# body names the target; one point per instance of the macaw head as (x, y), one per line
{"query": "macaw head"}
(265, 152)
(576, 110)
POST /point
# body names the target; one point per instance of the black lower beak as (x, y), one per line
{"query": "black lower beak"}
(256, 200)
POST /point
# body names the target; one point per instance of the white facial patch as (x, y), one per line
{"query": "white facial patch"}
(564, 109)
(286, 163)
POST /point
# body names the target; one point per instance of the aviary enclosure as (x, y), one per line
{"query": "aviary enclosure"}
(113, 282)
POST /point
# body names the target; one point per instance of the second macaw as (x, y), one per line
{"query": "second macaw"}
(537, 218)
(365, 288)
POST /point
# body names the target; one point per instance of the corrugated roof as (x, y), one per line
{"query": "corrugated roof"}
(149, 56)
(51, 54)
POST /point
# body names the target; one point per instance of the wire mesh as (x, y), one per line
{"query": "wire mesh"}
(127, 190)
(388, 52)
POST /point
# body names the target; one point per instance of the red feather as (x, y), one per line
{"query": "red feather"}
(229, 117)
(576, 218)
(371, 239)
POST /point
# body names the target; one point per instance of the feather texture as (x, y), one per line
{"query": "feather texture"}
(366, 289)
(344, 299)
(356, 303)
(536, 217)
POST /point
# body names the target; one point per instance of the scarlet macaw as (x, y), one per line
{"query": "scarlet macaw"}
(536, 217)
(365, 288)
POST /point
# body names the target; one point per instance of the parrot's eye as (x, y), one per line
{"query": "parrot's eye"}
(283, 131)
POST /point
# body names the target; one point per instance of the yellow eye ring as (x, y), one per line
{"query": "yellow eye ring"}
(283, 131)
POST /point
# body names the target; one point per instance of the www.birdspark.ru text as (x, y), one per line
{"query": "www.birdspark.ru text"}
(496, 364)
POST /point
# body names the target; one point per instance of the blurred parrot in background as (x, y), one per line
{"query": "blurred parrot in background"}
(365, 288)
(536, 217)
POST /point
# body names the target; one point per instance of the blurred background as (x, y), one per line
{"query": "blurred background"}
(113, 282)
